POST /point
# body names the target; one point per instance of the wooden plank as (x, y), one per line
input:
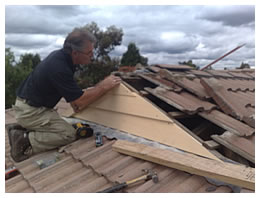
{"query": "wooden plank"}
(201, 127)
(230, 173)
(143, 93)
(178, 114)
(129, 112)
(211, 144)
(156, 82)
(229, 141)
(227, 122)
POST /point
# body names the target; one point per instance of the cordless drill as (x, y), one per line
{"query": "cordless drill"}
(83, 130)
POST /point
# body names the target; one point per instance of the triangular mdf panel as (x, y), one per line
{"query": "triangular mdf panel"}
(125, 110)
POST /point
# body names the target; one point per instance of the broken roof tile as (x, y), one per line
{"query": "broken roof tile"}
(225, 100)
(240, 145)
(182, 101)
(228, 123)
(189, 83)
(160, 82)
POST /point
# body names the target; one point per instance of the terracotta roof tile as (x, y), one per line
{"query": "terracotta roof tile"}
(161, 82)
(238, 84)
(85, 168)
(75, 175)
(193, 183)
(17, 184)
(225, 100)
(228, 123)
(199, 73)
(182, 101)
(245, 146)
(239, 74)
(174, 67)
(220, 73)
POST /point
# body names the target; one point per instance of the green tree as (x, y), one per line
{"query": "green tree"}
(189, 63)
(10, 78)
(244, 66)
(16, 72)
(29, 61)
(132, 56)
(102, 64)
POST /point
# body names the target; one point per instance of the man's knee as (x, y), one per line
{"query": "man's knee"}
(69, 133)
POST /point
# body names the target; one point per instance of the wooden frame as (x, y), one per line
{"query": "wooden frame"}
(127, 111)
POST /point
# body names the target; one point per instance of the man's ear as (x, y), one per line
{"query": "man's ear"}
(74, 53)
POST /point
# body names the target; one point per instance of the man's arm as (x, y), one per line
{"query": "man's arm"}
(92, 94)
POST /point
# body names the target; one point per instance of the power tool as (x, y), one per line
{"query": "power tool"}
(99, 139)
(83, 130)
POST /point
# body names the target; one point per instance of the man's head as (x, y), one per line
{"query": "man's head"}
(80, 43)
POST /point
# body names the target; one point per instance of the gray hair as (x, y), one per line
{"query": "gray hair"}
(77, 39)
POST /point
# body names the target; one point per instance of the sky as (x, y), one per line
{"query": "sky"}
(165, 34)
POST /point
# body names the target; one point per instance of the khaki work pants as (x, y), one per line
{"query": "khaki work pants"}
(47, 129)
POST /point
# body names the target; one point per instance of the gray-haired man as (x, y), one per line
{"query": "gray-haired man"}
(51, 80)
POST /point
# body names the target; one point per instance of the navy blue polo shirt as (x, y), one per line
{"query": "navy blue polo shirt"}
(51, 80)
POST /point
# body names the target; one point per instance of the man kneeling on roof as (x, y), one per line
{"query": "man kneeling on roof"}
(51, 80)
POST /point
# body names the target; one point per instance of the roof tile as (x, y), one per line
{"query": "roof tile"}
(182, 101)
(225, 100)
(228, 123)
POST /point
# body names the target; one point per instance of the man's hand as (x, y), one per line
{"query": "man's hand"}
(109, 82)
(92, 94)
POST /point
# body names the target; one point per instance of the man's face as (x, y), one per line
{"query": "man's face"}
(84, 56)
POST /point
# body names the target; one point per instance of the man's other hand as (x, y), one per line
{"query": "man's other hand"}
(109, 82)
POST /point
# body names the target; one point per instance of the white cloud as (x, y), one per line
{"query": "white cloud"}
(164, 34)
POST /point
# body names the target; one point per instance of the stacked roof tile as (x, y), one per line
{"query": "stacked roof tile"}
(85, 168)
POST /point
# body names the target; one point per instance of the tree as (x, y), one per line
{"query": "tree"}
(102, 64)
(244, 66)
(189, 63)
(132, 56)
(16, 72)
(29, 61)
(10, 78)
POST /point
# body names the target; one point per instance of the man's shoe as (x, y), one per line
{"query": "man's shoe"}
(19, 142)
(14, 126)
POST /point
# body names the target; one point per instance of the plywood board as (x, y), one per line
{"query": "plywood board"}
(239, 175)
(127, 111)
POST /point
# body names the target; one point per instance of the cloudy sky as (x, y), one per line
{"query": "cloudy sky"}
(165, 34)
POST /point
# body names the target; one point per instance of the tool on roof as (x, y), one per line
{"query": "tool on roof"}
(150, 175)
(205, 67)
(83, 130)
(48, 160)
(11, 172)
(99, 139)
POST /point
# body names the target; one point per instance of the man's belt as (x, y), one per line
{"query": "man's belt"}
(29, 102)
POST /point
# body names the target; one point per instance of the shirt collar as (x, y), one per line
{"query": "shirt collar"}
(69, 60)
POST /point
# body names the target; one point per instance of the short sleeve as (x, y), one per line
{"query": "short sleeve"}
(66, 86)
